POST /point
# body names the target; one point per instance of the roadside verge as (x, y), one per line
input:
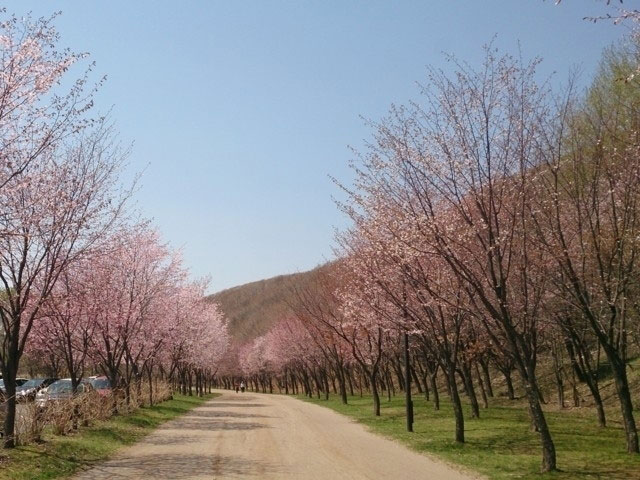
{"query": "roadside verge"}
(61, 456)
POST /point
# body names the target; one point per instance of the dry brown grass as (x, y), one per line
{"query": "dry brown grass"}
(65, 416)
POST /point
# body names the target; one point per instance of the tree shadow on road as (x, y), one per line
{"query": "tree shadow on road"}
(215, 404)
(212, 424)
(211, 413)
(179, 467)
(171, 439)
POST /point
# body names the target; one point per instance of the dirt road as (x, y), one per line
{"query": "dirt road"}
(254, 436)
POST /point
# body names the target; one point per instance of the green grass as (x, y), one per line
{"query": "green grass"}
(61, 456)
(499, 444)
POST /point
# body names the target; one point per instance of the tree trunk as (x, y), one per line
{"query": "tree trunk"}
(484, 365)
(150, 380)
(560, 388)
(426, 387)
(398, 371)
(10, 416)
(414, 376)
(423, 377)
(471, 392)
(389, 384)
(485, 400)
(434, 389)
(557, 371)
(342, 384)
(374, 392)
(326, 385)
(507, 378)
(622, 387)
(535, 408)
(407, 382)
(595, 393)
(457, 405)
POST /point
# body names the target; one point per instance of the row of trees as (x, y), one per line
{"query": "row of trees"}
(82, 283)
(128, 310)
(495, 227)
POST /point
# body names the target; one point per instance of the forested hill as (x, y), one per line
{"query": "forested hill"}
(251, 309)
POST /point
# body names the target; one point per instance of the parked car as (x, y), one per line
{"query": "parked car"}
(61, 390)
(19, 381)
(102, 385)
(27, 391)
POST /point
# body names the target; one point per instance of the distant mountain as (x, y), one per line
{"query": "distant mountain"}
(251, 309)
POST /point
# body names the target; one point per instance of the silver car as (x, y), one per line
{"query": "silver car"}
(61, 390)
(29, 390)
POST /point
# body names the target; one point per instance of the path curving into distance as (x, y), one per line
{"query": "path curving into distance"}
(257, 436)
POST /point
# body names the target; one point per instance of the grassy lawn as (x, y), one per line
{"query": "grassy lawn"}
(59, 457)
(499, 444)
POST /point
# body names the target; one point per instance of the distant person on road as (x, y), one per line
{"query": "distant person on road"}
(242, 386)
(237, 388)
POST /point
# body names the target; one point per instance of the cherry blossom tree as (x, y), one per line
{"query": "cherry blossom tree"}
(457, 168)
(65, 328)
(133, 268)
(36, 114)
(316, 309)
(586, 217)
(201, 337)
(57, 179)
(63, 206)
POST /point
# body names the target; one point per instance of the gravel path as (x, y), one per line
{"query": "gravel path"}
(254, 436)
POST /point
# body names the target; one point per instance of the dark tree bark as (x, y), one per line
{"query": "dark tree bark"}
(457, 405)
(467, 379)
(484, 364)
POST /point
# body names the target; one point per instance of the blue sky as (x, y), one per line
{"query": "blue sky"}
(239, 111)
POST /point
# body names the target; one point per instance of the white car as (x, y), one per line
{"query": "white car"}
(29, 390)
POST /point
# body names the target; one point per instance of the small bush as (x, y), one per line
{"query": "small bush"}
(30, 423)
